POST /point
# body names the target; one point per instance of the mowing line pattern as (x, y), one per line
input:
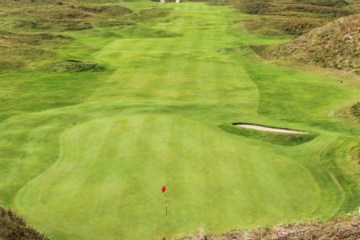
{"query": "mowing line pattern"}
(93, 170)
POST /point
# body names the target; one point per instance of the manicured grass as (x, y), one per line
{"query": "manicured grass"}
(85, 154)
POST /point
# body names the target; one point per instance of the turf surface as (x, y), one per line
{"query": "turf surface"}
(84, 155)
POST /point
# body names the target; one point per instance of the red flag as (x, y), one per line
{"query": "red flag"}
(163, 189)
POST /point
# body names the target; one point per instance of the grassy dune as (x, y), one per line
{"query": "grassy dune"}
(13, 227)
(83, 155)
(332, 52)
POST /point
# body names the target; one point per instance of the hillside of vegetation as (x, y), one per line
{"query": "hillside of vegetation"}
(325, 33)
(13, 227)
(50, 38)
(292, 17)
(345, 228)
(335, 45)
(32, 31)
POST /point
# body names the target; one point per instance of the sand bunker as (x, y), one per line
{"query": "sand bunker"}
(268, 129)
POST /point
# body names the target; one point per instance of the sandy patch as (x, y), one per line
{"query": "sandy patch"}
(268, 129)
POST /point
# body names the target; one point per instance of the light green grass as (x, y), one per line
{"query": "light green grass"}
(91, 165)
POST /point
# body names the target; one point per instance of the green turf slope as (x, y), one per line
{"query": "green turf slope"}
(93, 169)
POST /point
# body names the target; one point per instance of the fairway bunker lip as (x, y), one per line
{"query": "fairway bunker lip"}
(264, 128)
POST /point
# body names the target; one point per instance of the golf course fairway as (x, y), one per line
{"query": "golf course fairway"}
(93, 169)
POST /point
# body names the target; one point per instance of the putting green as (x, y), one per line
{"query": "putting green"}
(94, 169)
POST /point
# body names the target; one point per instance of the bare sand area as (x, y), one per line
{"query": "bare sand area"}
(268, 129)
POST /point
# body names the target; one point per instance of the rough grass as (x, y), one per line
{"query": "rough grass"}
(289, 17)
(283, 26)
(345, 228)
(64, 17)
(13, 227)
(325, 2)
(27, 40)
(72, 66)
(83, 155)
(20, 50)
(355, 111)
(326, 8)
(335, 45)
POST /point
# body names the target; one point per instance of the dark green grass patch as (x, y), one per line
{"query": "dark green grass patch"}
(339, 158)
(288, 139)
(294, 96)
(53, 90)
